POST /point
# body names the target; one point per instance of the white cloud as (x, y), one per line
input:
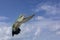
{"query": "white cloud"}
(50, 9)
(39, 18)
(5, 31)
(37, 31)
(3, 18)
(54, 25)
(58, 33)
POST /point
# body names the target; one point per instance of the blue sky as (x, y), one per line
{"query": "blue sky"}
(44, 26)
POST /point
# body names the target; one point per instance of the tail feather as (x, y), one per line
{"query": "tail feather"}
(16, 32)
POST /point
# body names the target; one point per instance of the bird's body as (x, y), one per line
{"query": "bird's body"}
(16, 25)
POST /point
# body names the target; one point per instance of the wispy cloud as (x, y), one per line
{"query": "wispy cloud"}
(39, 18)
(51, 15)
(5, 31)
(58, 32)
(50, 10)
(3, 18)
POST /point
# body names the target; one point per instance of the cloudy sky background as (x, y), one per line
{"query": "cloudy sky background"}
(44, 26)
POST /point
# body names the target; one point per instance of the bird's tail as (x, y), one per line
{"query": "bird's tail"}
(16, 32)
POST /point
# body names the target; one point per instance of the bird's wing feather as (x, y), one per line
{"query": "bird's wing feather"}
(27, 18)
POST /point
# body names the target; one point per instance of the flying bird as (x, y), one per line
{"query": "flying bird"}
(21, 19)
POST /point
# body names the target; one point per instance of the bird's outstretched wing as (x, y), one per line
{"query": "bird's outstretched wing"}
(27, 18)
